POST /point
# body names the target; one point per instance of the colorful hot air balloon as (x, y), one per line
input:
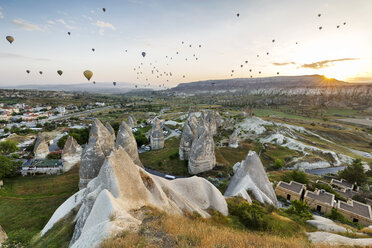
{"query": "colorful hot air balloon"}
(88, 74)
(10, 39)
(60, 72)
(143, 54)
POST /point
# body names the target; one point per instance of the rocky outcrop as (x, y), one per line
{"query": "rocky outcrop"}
(250, 181)
(126, 140)
(189, 131)
(3, 236)
(202, 156)
(109, 202)
(99, 146)
(234, 139)
(132, 122)
(327, 239)
(156, 135)
(212, 119)
(71, 154)
(41, 148)
(110, 129)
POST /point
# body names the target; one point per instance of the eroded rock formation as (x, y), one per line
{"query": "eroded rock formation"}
(156, 135)
(111, 130)
(3, 236)
(100, 144)
(71, 154)
(41, 148)
(188, 134)
(234, 139)
(132, 122)
(250, 180)
(126, 140)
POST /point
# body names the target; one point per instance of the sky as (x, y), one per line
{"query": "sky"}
(231, 46)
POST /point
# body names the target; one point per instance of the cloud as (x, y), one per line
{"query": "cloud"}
(103, 24)
(51, 22)
(26, 25)
(20, 56)
(1, 13)
(65, 24)
(325, 63)
(87, 17)
(284, 63)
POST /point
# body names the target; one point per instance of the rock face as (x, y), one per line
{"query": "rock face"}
(100, 144)
(41, 149)
(108, 202)
(213, 120)
(188, 134)
(202, 156)
(156, 135)
(126, 140)
(3, 236)
(71, 154)
(331, 239)
(325, 224)
(132, 122)
(234, 140)
(111, 130)
(250, 175)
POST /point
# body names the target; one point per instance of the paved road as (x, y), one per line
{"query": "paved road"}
(160, 174)
(172, 133)
(80, 113)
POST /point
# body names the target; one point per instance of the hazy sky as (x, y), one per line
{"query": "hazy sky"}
(158, 27)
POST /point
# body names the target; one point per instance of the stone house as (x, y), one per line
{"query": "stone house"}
(343, 185)
(290, 191)
(356, 212)
(320, 200)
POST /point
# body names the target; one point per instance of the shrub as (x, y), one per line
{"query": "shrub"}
(174, 155)
(295, 175)
(299, 210)
(354, 173)
(61, 142)
(54, 155)
(337, 216)
(359, 198)
(278, 163)
(8, 146)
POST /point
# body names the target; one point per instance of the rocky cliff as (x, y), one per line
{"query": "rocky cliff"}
(250, 181)
(71, 154)
(111, 130)
(234, 139)
(126, 140)
(188, 134)
(111, 200)
(156, 135)
(100, 144)
(41, 148)
(132, 122)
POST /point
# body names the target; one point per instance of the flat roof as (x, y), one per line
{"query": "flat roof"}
(292, 186)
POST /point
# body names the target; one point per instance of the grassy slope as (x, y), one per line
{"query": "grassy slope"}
(28, 202)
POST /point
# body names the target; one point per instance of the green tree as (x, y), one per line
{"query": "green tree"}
(8, 146)
(354, 173)
(278, 163)
(8, 167)
(61, 142)
(295, 175)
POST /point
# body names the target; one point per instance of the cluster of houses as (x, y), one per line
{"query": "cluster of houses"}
(324, 202)
(23, 112)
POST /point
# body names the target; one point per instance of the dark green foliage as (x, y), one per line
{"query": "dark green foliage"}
(359, 198)
(61, 142)
(174, 155)
(115, 126)
(80, 135)
(8, 146)
(327, 188)
(8, 167)
(140, 138)
(337, 216)
(54, 156)
(300, 211)
(295, 175)
(278, 163)
(354, 173)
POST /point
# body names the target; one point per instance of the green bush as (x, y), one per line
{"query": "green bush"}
(359, 198)
(354, 173)
(8, 167)
(337, 216)
(18, 238)
(174, 155)
(61, 142)
(8, 146)
(299, 211)
(295, 175)
(140, 138)
(278, 163)
(54, 156)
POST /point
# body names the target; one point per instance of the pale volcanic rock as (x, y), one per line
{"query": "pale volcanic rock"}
(99, 146)
(121, 186)
(156, 135)
(71, 154)
(189, 131)
(41, 148)
(202, 157)
(3, 236)
(110, 129)
(234, 139)
(125, 139)
(132, 122)
(250, 175)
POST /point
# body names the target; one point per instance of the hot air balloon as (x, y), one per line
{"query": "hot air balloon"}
(258, 55)
(250, 70)
(259, 72)
(136, 86)
(296, 43)
(93, 49)
(267, 53)
(41, 73)
(28, 71)
(251, 76)
(143, 54)
(189, 45)
(338, 26)
(319, 15)
(94, 82)
(273, 41)
(320, 28)
(176, 52)
(246, 61)
(88, 74)
(126, 51)
(237, 14)
(10, 39)
(114, 83)
(199, 45)
(68, 33)
(232, 71)
(60, 72)
(277, 73)
(184, 76)
(241, 65)
(196, 58)
(183, 42)
(104, 9)
(344, 23)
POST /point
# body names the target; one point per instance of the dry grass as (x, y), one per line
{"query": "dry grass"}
(161, 230)
(149, 183)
